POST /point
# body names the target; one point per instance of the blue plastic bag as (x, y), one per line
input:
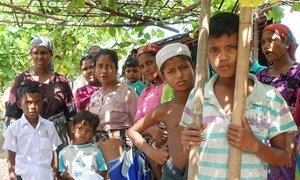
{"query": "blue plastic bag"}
(132, 165)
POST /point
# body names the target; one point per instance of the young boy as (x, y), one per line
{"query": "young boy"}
(266, 116)
(133, 75)
(82, 157)
(31, 141)
(174, 62)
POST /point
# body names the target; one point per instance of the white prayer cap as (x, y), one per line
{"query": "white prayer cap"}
(170, 51)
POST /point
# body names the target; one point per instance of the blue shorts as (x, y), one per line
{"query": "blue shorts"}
(171, 172)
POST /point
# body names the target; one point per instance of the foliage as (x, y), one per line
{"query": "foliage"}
(276, 13)
(70, 43)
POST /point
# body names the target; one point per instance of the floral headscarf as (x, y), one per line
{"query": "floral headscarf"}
(147, 48)
(284, 32)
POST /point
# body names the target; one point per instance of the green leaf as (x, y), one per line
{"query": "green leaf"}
(71, 6)
(142, 41)
(276, 13)
(296, 6)
(160, 33)
(147, 36)
(112, 31)
(80, 3)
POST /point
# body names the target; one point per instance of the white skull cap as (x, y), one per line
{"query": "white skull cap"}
(170, 51)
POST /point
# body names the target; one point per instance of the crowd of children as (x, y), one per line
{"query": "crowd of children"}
(121, 129)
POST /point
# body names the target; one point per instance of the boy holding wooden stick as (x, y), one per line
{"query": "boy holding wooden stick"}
(266, 116)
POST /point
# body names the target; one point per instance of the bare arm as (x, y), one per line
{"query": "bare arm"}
(11, 119)
(54, 164)
(11, 165)
(134, 133)
(69, 126)
(244, 139)
(103, 174)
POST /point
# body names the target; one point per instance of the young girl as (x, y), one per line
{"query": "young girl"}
(132, 74)
(150, 96)
(115, 104)
(83, 94)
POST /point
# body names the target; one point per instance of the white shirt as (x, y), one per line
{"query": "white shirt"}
(33, 147)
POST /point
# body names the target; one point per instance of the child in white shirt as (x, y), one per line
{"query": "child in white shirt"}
(31, 141)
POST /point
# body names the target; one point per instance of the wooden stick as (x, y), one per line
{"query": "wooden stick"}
(241, 84)
(201, 77)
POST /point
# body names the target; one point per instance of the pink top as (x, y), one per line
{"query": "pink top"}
(297, 112)
(149, 98)
(83, 96)
(116, 110)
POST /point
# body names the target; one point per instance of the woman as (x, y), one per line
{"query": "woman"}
(115, 105)
(279, 46)
(83, 94)
(57, 105)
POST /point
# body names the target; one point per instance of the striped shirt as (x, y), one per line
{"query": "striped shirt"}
(267, 114)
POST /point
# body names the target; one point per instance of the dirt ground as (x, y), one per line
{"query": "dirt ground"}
(3, 155)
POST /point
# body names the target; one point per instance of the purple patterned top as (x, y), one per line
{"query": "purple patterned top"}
(287, 84)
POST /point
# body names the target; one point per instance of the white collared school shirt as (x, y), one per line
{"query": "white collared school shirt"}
(33, 147)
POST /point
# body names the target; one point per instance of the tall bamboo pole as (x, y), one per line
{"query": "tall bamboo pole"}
(201, 77)
(241, 83)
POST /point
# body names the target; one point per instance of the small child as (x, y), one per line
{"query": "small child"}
(267, 117)
(31, 141)
(133, 75)
(82, 157)
(174, 62)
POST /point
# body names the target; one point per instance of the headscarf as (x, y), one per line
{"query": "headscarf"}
(147, 48)
(284, 32)
(41, 41)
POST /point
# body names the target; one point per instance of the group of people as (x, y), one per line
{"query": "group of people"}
(99, 132)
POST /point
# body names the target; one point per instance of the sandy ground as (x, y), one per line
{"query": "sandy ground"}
(3, 155)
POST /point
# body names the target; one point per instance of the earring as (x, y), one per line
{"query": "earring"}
(287, 46)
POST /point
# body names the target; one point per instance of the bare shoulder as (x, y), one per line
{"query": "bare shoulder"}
(162, 109)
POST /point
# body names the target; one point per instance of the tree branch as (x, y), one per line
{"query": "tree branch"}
(13, 7)
(88, 24)
(187, 9)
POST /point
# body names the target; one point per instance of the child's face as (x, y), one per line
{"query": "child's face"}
(222, 54)
(179, 74)
(87, 69)
(82, 133)
(132, 74)
(105, 70)
(31, 104)
(148, 66)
